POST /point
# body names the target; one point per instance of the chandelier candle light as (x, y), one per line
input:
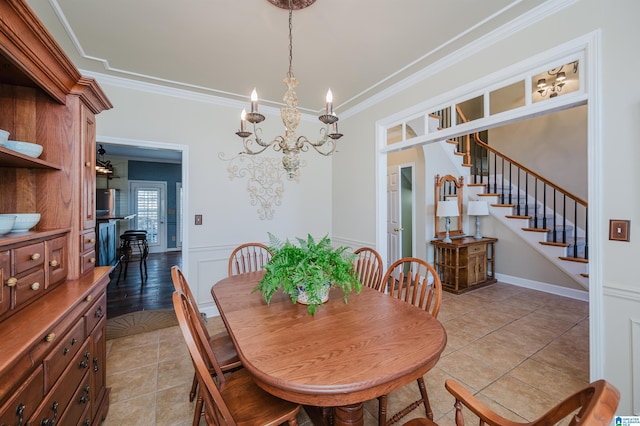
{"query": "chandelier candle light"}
(290, 144)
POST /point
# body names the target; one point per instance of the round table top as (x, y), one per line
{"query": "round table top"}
(344, 354)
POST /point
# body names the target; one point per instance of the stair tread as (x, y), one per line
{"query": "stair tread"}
(574, 259)
(535, 229)
(556, 244)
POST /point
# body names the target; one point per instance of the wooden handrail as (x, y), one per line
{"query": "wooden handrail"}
(477, 140)
(532, 173)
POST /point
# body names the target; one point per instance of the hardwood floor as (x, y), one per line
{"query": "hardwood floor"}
(155, 293)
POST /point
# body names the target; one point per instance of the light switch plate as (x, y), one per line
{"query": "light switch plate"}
(198, 219)
(619, 230)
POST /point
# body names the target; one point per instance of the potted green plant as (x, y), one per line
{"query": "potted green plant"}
(308, 270)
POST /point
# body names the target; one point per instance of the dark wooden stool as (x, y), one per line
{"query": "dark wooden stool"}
(130, 241)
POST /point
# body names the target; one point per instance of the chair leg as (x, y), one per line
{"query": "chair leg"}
(146, 275)
(425, 398)
(194, 388)
(197, 413)
(382, 410)
(141, 275)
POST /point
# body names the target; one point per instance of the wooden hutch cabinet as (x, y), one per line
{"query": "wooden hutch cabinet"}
(465, 263)
(52, 296)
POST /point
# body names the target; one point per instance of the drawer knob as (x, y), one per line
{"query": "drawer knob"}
(50, 337)
(54, 263)
(35, 256)
(54, 419)
(92, 240)
(92, 260)
(89, 298)
(20, 412)
(35, 286)
(87, 164)
(11, 282)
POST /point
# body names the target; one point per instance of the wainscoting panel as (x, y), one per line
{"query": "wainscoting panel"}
(207, 265)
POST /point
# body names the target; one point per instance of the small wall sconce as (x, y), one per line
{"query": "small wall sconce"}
(477, 209)
(448, 209)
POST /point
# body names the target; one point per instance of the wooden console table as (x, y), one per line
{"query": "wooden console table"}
(465, 263)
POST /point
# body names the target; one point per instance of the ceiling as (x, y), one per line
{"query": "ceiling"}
(226, 48)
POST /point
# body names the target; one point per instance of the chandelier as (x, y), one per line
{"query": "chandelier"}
(559, 76)
(290, 144)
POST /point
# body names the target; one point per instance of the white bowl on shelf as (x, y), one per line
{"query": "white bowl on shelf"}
(27, 148)
(6, 223)
(4, 137)
(25, 221)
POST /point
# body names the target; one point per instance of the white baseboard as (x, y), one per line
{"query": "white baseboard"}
(545, 287)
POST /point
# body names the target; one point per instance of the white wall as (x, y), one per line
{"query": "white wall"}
(613, 162)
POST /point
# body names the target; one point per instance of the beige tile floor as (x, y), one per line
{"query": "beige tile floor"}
(519, 351)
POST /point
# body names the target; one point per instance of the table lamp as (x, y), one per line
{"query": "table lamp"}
(447, 209)
(477, 209)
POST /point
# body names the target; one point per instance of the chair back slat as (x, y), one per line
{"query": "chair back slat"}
(368, 267)
(414, 281)
(250, 257)
(216, 410)
(180, 284)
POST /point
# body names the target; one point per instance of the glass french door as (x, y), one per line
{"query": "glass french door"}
(148, 202)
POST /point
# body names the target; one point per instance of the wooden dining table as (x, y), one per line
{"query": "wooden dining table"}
(345, 354)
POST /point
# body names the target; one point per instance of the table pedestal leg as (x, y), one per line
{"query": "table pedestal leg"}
(351, 415)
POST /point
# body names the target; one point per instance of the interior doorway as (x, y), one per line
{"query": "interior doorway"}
(130, 295)
(400, 212)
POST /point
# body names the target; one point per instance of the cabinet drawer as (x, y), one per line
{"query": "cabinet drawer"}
(58, 399)
(78, 404)
(57, 260)
(87, 262)
(23, 404)
(28, 287)
(87, 241)
(27, 257)
(96, 312)
(477, 248)
(42, 348)
(62, 354)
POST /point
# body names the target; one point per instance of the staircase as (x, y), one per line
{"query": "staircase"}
(550, 219)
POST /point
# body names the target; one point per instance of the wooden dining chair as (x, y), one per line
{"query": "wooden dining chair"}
(594, 405)
(368, 267)
(234, 398)
(414, 281)
(220, 343)
(250, 257)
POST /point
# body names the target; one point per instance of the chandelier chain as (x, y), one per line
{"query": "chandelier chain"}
(290, 73)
